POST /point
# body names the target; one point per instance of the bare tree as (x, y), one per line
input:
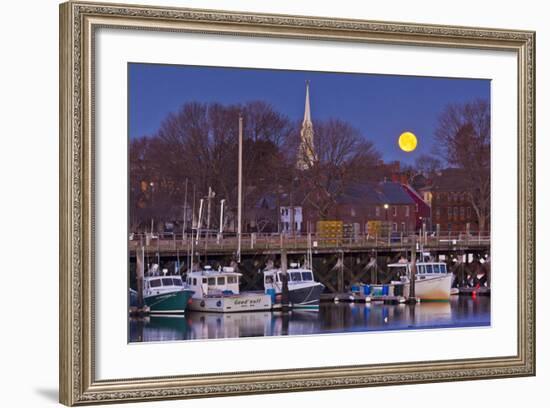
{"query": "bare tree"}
(198, 143)
(427, 164)
(342, 157)
(464, 136)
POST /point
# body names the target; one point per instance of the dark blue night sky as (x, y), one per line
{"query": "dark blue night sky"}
(380, 106)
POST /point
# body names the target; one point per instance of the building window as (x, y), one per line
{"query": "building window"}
(352, 212)
(468, 212)
(377, 211)
(461, 213)
(394, 208)
(407, 211)
(394, 227)
(449, 212)
(437, 213)
(455, 212)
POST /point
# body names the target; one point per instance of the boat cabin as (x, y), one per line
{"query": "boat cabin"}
(155, 285)
(422, 268)
(273, 277)
(210, 282)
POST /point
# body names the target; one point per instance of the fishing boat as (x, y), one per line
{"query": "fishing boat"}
(433, 281)
(166, 294)
(218, 291)
(304, 292)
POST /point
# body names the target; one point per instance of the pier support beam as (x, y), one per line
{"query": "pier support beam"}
(340, 270)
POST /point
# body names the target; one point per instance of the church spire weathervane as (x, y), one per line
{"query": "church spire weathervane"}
(306, 151)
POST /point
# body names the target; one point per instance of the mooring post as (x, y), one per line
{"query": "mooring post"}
(285, 298)
(341, 272)
(412, 291)
(139, 275)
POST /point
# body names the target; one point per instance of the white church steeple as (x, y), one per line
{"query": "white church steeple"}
(306, 150)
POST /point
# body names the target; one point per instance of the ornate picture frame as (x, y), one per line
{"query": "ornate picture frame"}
(78, 24)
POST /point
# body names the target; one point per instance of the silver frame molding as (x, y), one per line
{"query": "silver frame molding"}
(78, 22)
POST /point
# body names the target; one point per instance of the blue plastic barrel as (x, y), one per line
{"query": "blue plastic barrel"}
(355, 288)
(366, 290)
(385, 290)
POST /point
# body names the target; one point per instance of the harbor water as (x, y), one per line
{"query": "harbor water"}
(461, 311)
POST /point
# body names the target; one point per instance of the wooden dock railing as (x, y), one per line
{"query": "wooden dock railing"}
(270, 243)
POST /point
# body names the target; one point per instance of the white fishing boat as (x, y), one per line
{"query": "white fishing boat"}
(218, 291)
(433, 281)
(304, 292)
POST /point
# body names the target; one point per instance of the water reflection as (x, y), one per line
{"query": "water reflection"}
(331, 318)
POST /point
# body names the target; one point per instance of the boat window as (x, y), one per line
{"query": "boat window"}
(177, 281)
(221, 280)
(429, 269)
(212, 281)
(167, 282)
(195, 281)
(400, 270)
(231, 279)
(269, 279)
(307, 276)
(420, 269)
(295, 276)
(155, 283)
(204, 280)
(436, 268)
(443, 268)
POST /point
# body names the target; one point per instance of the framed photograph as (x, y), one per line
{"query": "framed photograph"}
(256, 203)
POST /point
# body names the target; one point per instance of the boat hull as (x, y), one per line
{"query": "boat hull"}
(438, 288)
(243, 302)
(169, 303)
(307, 297)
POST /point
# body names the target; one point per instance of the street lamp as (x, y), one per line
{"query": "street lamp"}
(386, 206)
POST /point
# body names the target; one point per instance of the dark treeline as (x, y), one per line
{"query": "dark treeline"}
(197, 147)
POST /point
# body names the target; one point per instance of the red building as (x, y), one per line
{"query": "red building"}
(386, 201)
(449, 199)
(422, 210)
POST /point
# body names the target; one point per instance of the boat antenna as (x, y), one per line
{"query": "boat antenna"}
(240, 189)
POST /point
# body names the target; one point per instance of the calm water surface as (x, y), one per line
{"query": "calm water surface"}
(461, 311)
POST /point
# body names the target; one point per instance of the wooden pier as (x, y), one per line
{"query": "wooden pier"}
(338, 263)
(272, 244)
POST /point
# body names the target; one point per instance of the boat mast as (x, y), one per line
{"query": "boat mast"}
(240, 190)
(199, 224)
(220, 235)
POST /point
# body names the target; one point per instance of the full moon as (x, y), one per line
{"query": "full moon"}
(407, 141)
